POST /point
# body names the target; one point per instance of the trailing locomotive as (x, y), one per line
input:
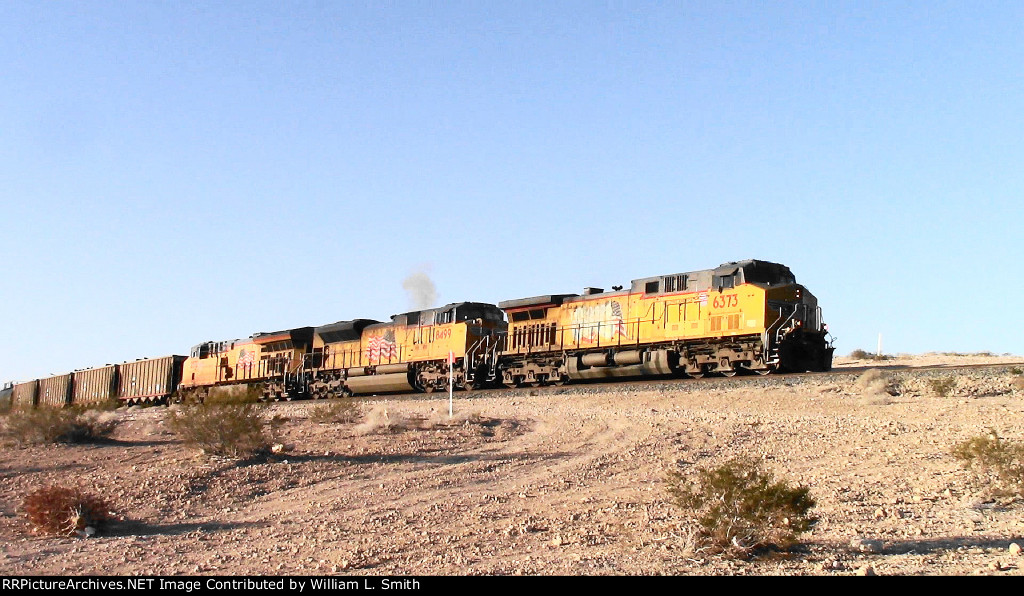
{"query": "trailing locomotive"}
(745, 316)
(416, 351)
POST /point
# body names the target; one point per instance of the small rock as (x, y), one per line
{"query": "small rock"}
(997, 566)
(1014, 549)
(277, 448)
(866, 545)
(867, 571)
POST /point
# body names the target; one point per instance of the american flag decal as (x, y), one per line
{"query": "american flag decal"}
(246, 357)
(381, 347)
(603, 321)
(620, 327)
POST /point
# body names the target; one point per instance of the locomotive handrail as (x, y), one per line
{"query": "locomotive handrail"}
(778, 332)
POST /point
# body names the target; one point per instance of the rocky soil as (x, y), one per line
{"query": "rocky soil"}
(567, 481)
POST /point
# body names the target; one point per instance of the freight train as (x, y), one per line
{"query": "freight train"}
(741, 317)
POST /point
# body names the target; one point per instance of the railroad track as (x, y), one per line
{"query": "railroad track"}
(685, 384)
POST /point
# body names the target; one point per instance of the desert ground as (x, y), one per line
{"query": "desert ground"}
(552, 481)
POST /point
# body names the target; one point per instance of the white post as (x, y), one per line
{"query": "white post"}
(879, 354)
(451, 381)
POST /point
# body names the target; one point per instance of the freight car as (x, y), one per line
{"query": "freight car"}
(147, 380)
(5, 396)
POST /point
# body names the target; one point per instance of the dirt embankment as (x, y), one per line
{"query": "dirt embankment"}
(557, 481)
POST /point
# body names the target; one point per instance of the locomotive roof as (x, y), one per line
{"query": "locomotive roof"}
(755, 271)
(445, 308)
(704, 279)
(545, 300)
(343, 330)
(345, 325)
(298, 334)
(225, 342)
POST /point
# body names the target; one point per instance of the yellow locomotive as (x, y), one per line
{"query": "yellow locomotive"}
(741, 316)
(415, 351)
(268, 358)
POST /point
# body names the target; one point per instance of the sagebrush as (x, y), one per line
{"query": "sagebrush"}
(65, 511)
(997, 463)
(232, 430)
(45, 425)
(739, 507)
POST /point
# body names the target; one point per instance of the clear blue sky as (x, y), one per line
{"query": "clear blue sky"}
(174, 172)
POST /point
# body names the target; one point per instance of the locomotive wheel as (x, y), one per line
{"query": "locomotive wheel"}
(731, 372)
(558, 381)
(428, 388)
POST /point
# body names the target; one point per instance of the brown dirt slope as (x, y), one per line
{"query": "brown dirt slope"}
(556, 481)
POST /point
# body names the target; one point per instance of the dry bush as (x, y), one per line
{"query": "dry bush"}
(875, 387)
(380, 420)
(54, 425)
(865, 355)
(232, 430)
(236, 394)
(738, 507)
(942, 387)
(65, 511)
(997, 463)
(342, 411)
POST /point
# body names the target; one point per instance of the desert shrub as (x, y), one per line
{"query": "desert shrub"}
(1016, 371)
(738, 507)
(997, 463)
(54, 425)
(65, 511)
(236, 394)
(233, 430)
(380, 420)
(865, 355)
(342, 411)
(874, 382)
(942, 387)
